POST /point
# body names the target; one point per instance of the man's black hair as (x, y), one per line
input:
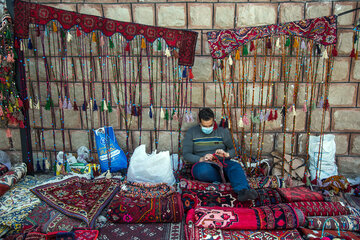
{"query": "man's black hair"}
(206, 114)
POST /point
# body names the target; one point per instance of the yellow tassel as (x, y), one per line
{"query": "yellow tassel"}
(143, 43)
(237, 55)
(296, 43)
(30, 103)
(10, 108)
(94, 37)
(55, 29)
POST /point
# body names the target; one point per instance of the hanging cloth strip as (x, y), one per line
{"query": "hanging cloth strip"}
(27, 13)
(322, 30)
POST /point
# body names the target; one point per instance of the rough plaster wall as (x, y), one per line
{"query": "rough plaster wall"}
(205, 15)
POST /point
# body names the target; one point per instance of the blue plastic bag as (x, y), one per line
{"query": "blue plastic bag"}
(110, 154)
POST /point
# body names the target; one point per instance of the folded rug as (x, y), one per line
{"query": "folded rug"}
(146, 210)
(145, 190)
(279, 217)
(78, 235)
(344, 223)
(10, 178)
(197, 233)
(300, 194)
(316, 234)
(79, 197)
(3, 169)
(158, 231)
(321, 208)
(267, 196)
(48, 219)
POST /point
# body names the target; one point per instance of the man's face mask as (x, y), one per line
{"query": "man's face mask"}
(207, 130)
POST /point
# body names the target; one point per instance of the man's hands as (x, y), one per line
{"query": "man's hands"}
(207, 157)
(222, 153)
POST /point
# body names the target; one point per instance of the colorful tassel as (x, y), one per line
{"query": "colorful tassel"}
(294, 111)
(267, 115)
(111, 44)
(226, 123)
(268, 44)
(230, 60)
(69, 37)
(64, 104)
(127, 47)
(38, 168)
(318, 49)
(283, 111)
(84, 106)
(245, 50)
(166, 117)
(191, 75)
(334, 52)
(252, 46)
(246, 120)
(159, 45)
(55, 29)
(143, 43)
(75, 106)
(37, 106)
(95, 106)
(20, 102)
(30, 46)
(109, 107)
(102, 42)
(277, 43)
(167, 53)
(303, 45)
(69, 105)
(261, 116)
(321, 103)
(93, 38)
(162, 114)
(237, 55)
(352, 54)
(296, 43)
(241, 122)
(184, 73)
(304, 108)
(271, 117)
(60, 104)
(288, 41)
(8, 133)
(30, 104)
(78, 32)
(49, 104)
(150, 112)
(276, 115)
(324, 55)
(326, 104)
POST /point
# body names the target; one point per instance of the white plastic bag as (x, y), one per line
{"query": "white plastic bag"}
(5, 159)
(152, 168)
(327, 164)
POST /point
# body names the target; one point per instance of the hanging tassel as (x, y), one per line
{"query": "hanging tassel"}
(241, 122)
(184, 74)
(93, 38)
(78, 33)
(296, 43)
(222, 122)
(313, 106)
(8, 133)
(325, 54)
(47, 164)
(37, 106)
(84, 106)
(334, 52)
(318, 49)
(271, 117)
(75, 106)
(166, 117)
(230, 61)
(246, 120)
(304, 107)
(261, 117)
(191, 75)
(102, 42)
(268, 44)
(111, 44)
(30, 104)
(69, 105)
(150, 112)
(60, 104)
(38, 168)
(303, 45)
(245, 50)
(283, 111)
(30, 46)
(128, 109)
(276, 115)
(221, 64)
(215, 66)
(267, 115)
(105, 106)
(162, 114)
(159, 45)
(69, 37)
(352, 54)
(127, 47)
(294, 111)
(64, 104)
(20, 102)
(55, 29)
(109, 107)
(191, 117)
(252, 46)
(288, 41)
(278, 43)
(326, 104)
(321, 103)
(49, 104)
(95, 106)
(237, 55)
(226, 123)
(143, 43)
(21, 124)
(167, 53)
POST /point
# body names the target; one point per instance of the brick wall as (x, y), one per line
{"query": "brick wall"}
(204, 15)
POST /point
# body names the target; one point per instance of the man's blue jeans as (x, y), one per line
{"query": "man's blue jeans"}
(207, 172)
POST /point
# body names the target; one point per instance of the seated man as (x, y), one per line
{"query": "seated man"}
(199, 145)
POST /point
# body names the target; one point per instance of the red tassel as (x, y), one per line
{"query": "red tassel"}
(78, 33)
(215, 125)
(334, 52)
(326, 104)
(268, 43)
(8, 133)
(127, 48)
(21, 104)
(37, 31)
(75, 106)
(252, 46)
(276, 115)
(191, 75)
(352, 54)
(271, 117)
(21, 124)
(17, 44)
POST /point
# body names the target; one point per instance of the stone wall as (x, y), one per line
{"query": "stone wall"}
(204, 15)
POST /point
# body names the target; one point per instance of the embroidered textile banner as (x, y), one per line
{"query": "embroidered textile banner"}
(32, 13)
(322, 30)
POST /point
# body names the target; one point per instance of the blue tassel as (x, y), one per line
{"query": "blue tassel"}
(150, 113)
(95, 107)
(38, 167)
(84, 106)
(135, 111)
(44, 164)
(30, 46)
(184, 73)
